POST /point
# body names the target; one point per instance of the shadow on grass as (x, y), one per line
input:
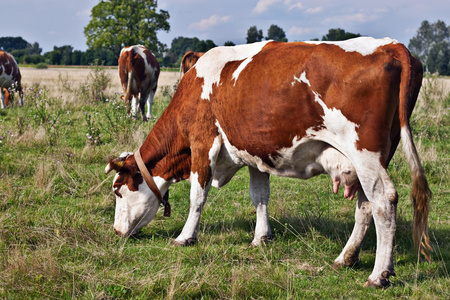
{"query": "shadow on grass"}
(294, 227)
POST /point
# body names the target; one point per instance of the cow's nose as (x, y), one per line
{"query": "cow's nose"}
(116, 231)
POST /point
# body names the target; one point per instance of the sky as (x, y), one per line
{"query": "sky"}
(61, 22)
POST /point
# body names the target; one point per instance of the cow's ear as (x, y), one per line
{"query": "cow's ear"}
(115, 164)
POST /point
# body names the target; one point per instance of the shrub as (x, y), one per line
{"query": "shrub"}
(97, 82)
(41, 66)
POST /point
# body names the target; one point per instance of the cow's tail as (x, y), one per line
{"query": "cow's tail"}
(129, 82)
(127, 93)
(411, 80)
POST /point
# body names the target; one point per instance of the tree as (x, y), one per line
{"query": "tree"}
(229, 43)
(276, 33)
(254, 35)
(432, 46)
(119, 23)
(180, 46)
(338, 34)
(10, 43)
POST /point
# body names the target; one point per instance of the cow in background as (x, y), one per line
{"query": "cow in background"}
(139, 72)
(9, 78)
(189, 60)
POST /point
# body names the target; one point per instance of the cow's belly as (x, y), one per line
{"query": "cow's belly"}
(303, 160)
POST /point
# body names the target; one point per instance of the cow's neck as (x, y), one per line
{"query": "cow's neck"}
(165, 152)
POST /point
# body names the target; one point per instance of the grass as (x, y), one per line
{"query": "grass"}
(57, 211)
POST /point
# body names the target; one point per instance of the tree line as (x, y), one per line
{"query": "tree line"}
(118, 23)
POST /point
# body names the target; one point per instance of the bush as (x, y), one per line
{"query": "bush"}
(98, 81)
(41, 66)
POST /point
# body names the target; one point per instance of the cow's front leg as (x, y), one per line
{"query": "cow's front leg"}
(198, 195)
(259, 193)
(363, 218)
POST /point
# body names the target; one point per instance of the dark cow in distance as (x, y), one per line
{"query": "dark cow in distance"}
(287, 109)
(10, 78)
(139, 73)
(189, 59)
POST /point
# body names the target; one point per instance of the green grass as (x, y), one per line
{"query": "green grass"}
(57, 211)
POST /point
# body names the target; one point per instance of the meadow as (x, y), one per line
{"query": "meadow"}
(57, 210)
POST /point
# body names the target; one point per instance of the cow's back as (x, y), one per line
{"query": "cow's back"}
(279, 91)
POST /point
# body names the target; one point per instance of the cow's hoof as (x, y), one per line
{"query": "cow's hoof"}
(188, 242)
(262, 241)
(380, 282)
(338, 265)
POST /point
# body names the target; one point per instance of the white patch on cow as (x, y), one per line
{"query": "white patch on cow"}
(302, 78)
(336, 123)
(214, 151)
(209, 66)
(240, 68)
(363, 45)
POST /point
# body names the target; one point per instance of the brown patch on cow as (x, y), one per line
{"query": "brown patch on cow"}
(128, 172)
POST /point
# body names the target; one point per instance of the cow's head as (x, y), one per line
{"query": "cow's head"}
(136, 204)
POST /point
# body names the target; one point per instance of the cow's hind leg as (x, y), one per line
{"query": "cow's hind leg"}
(150, 104)
(134, 106)
(383, 198)
(363, 218)
(2, 95)
(259, 193)
(142, 101)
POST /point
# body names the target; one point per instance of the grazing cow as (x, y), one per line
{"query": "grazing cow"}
(288, 109)
(189, 60)
(9, 78)
(139, 72)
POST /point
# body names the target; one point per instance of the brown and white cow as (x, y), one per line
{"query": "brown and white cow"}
(9, 78)
(189, 59)
(288, 109)
(139, 72)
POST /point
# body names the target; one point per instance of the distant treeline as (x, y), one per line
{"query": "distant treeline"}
(26, 53)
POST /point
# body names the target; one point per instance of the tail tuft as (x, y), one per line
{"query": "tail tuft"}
(421, 195)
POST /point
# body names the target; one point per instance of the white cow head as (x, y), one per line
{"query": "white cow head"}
(136, 204)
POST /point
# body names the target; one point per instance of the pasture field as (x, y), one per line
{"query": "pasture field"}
(57, 210)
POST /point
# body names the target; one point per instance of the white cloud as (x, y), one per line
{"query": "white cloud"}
(212, 21)
(263, 5)
(314, 10)
(293, 4)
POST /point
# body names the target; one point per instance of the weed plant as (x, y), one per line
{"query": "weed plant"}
(57, 211)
